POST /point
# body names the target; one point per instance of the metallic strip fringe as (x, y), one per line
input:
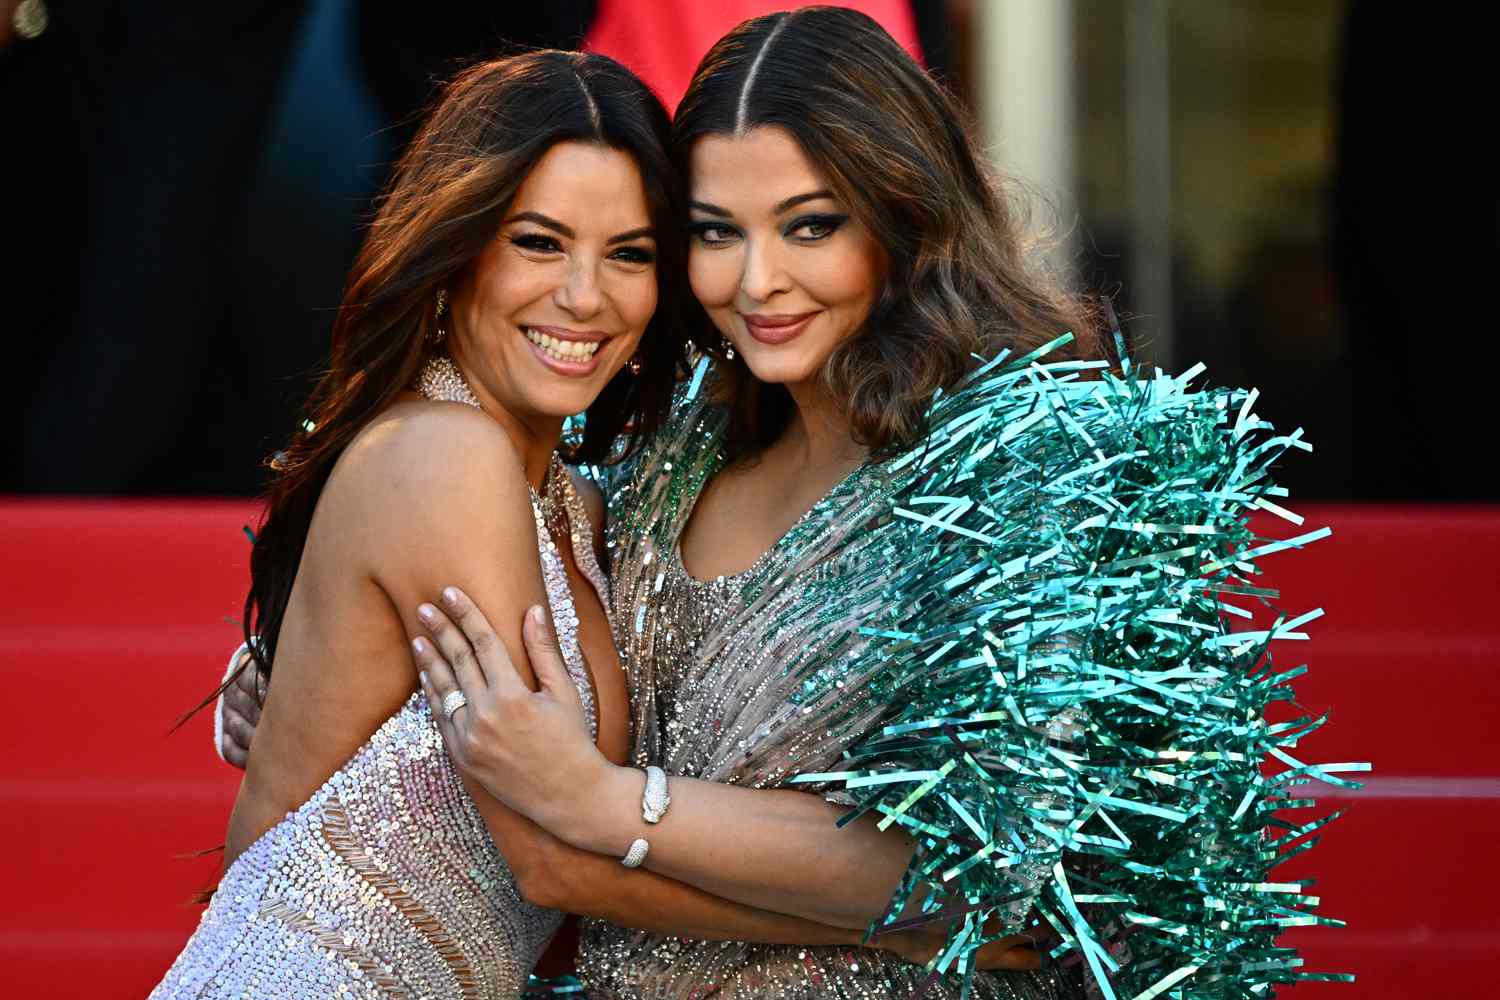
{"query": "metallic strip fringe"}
(1080, 707)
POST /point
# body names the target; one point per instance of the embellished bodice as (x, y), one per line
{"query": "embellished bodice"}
(717, 693)
(695, 608)
(385, 883)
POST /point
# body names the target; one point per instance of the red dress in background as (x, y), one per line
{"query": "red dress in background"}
(662, 41)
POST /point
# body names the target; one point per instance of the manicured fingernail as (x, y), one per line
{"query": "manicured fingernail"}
(417, 646)
(422, 676)
(450, 596)
(425, 612)
(535, 614)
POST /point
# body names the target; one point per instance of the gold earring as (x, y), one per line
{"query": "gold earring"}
(438, 333)
(635, 364)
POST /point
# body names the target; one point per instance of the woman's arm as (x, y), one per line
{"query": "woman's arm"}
(439, 532)
(559, 876)
(773, 848)
(776, 850)
(550, 873)
(437, 493)
(553, 874)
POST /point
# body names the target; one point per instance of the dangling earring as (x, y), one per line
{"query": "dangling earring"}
(727, 347)
(438, 333)
(634, 364)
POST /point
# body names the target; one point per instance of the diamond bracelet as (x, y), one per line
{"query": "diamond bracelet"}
(655, 800)
(636, 854)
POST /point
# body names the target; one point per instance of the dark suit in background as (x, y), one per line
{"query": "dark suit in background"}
(186, 201)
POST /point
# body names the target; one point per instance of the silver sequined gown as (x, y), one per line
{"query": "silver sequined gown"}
(385, 883)
(710, 699)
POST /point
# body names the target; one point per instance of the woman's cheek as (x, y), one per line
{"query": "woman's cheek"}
(713, 276)
(646, 304)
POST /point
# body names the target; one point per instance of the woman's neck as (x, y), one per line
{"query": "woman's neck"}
(534, 438)
(534, 444)
(818, 430)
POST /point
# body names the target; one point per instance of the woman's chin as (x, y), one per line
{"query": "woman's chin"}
(551, 410)
(778, 371)
(561, 405)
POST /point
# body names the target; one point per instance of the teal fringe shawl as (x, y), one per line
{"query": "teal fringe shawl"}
(1078, 730)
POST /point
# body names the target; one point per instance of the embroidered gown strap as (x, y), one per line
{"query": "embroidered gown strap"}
(581, 529)
(560, 603)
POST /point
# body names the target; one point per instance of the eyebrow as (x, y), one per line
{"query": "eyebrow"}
(546, 221)
(711, 209)
(542, 220)
(799, 199)
(643, 233)
(780, 207)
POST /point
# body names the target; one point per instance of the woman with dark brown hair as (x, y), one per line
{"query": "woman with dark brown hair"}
(911, 543)
(510, 280)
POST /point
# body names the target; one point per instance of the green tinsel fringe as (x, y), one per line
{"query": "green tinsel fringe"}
(1080, 732)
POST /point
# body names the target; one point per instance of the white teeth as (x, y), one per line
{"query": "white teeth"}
(563, 350)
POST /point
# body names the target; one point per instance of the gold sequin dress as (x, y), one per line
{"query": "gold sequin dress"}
(385, 883)
(713, 697)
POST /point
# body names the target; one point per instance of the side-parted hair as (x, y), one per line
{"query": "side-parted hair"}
(964, 277)
(445, 203)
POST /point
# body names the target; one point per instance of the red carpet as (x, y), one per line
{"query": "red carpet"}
(118, 615)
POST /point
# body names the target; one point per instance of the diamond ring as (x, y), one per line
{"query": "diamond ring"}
(452, 702)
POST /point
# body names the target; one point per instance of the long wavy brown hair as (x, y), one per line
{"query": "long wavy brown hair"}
(445, 202)
(966, 278)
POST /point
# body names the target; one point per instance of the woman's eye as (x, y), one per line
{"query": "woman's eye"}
(812, 228)
(713, 233)
(635, 255)
(536, 242)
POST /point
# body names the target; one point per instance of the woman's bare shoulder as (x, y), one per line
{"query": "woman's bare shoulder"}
(430, 474)
(447, 439)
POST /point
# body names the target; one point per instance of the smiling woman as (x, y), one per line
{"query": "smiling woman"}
(779, 260)
(830, 176)
(852, 262)
(516, 267)
(552, 309)
(451, 231)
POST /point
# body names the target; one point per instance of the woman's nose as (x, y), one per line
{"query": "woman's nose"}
(580, 294)
(763, 274)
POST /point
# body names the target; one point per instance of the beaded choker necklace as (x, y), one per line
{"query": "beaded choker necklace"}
(441, 380)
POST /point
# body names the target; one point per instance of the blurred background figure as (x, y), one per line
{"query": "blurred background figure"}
(1251, 181)
(1273, 196)
(186, 187)
(1415, 230)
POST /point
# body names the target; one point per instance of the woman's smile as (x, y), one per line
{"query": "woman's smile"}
(771, 329)
(573, 353)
